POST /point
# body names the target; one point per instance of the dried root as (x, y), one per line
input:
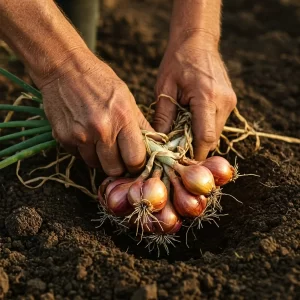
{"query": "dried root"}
(156, 241)
(58, 177)
(105, 216)
(143, 215)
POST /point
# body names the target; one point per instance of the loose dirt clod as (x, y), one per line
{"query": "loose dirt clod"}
(146, 292)
(24, 221)
(4, 283)
(268, 245)
(47, 296)
(36, 285)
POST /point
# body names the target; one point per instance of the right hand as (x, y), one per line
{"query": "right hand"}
(93, 113)
(193, 73)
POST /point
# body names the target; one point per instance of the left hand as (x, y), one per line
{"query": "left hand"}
(193, 73)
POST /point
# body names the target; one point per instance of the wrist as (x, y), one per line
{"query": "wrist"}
(199, 20)
(73, 61)
(81, 63)
(200, 37)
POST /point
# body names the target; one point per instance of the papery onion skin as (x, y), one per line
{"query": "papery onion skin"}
(155, 192)
(186, 203)
(152, 190)
(117, 202)
(176, 227)
(168, 218)
(134, 193)
(112, 185)
(102, 189)
(196, 178)
(221, 169)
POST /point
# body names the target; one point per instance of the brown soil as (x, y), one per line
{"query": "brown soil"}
(49, 248)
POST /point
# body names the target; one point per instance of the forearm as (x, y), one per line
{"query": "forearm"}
(39, 33)
(196, 16)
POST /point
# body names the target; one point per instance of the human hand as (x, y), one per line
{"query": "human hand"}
(93, 113)
(193, 73)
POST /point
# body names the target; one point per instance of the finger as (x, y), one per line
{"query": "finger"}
(89, 155)
(143, 123)
(165, 109)
(110, 158)
(223, 114)
(203, 126)
(132, 147)
(220, 123)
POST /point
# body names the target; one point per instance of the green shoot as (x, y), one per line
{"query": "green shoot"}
(26, 124)
(24, 109)
(27, 153)
(27, 132)
(22, 84)
(26, 144)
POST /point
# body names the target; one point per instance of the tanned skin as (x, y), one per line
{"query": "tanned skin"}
(91, 110)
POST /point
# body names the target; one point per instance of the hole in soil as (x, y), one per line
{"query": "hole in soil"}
(256, 213)
(210, 238)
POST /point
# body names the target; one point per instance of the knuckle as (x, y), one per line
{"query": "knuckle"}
(233, 100)
(211, 93)
(207, 104)
(160, 88)
(165, 85)
(121, 92)
(157, 90)
(123, 113)
(161, 118)
(79, 135)
(209, 90)
(134, 162)
(213, 146)
(101, 128)
(230, 98)
(209, 137)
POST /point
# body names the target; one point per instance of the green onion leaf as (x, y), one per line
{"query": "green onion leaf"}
(27, 153)
(44, 137)
(21, 83)
(27, 124)
(24, 109)
(36, 99)
(27, 132)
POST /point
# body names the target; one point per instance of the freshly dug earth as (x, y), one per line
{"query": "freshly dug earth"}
(50, 249)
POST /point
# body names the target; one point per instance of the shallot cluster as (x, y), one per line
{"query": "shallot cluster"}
(155, 204)
(172, 193)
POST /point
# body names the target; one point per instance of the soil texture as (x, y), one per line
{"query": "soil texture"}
(50, 249)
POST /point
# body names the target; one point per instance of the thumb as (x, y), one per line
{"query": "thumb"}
(143, 123)
(165, 109)
(203, 126)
